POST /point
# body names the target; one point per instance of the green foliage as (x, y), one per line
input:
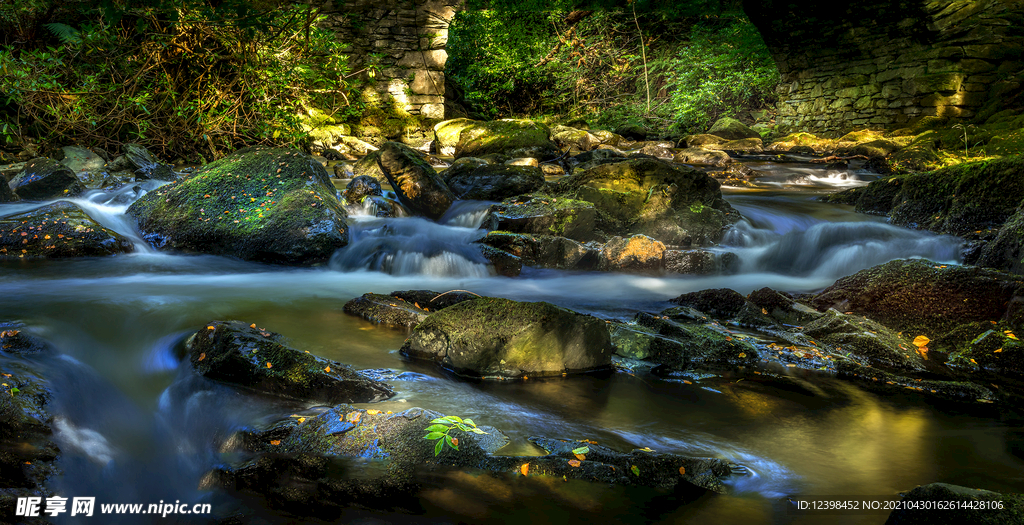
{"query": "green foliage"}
(178, 76)
(440, 430)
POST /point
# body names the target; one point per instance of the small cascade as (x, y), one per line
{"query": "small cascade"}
(108, 208)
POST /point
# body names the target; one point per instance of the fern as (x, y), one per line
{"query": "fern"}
(64, 32)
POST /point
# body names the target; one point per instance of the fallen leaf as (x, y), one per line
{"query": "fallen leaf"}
(682, 471)
(525, 469)
(373, 412)
(742, 355)
(269, 365)
(252, 325)
(455, 441)
(921, 340)
(580, 457)
(997, 350)
(764, 311)
(328, 369)
(275, 442)
(201, 356)
(211, 327)
(574, 463)
(635, 470)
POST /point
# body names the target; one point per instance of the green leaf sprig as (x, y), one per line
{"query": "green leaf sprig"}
(440, 430)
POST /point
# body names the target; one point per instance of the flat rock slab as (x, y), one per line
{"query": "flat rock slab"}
(44, 178)
(57, 230)
(242, 354)
(386, 310)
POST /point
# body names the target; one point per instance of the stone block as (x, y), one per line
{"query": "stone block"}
(426, 99)
(432, 111)
(432, 59)
(933, 83)
(426, 82)
(974, 65)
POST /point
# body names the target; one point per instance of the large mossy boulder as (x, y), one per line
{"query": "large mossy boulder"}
(259, 204)
(493, 337)
(446, 134)
(418, 186)
(951, 305)
(43, 179)
(514, 138)
(732, 129)
(57, 230)
(681, 346)
(676, 205)
(866, 340)
(495, 182)
(242, 354)
(539, 213)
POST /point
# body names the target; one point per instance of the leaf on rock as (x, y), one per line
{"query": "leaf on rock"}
(574, 463)
(635, 470)
(921, 340)
(581, 450)
(682, 471)
(525, 469)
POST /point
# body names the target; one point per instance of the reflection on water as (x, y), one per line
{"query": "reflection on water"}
(127, 408)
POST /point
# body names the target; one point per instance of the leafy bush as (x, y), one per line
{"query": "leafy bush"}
(180, 78)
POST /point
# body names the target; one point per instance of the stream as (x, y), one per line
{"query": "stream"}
(135, 425)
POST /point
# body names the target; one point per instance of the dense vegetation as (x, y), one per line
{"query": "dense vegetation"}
(184, 77)
(668, 70)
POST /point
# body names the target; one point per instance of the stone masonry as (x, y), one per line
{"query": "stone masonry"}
(403, 41)
(882, 63)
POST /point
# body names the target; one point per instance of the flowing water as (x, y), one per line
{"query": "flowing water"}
(137, 426)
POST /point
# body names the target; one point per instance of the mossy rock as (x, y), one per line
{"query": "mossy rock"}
(865, 340)
(43, 179)
(504, 263)
(368, 167)
(461, 167)
(242, 354)
(259, 204)
(919, 297)
(418, 186)
(577, 139)
(362, 186)
(544, 251)
(432, 301)
(960, 504)
(700, 262)
(719, 302)
(495, 182)
(57, 230)
(702, 140)
(781, 307)
(492, 337)
(732, 129)
(386, 310)
(995, 349)
(538, 213)
(512, 137)
(1006, 251)
(446, 133)
(703, 156)
(679, 346)
(801, 140)
(638, 253)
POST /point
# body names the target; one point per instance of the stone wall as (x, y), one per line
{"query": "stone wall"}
(404, 40)
(883, 63)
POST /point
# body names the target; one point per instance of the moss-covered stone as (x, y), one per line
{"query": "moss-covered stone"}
(512, 137)
(782, 307)
(538, 213)
(638, 253)
(492, 337)
(505, 264)
(702, 156)
(680, 346)
(920, 297)
(722, 302)
(960, 505)
(414, 180)
(44, 178)
(495, 182)
(544, 251)
(386, 310)
(866, 340)
(431, 301)
(700, 262)
(57, 230)
(261, 204)
(361, 186)
(732, 129)
(242, 354)
(1006, 251)
(446, 133)
(674, 204)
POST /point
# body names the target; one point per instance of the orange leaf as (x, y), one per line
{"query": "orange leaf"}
(252, 325)
(269, 365)
(210, 327)
(417, 305)
(921, 340)
(275, 442)
(201, 356)
(997, 351)
(742, 355)
(328, 370)
(682, 471)
(525, 469)
(580, 457)
(455, 441)
(574, 463)
(764, 311)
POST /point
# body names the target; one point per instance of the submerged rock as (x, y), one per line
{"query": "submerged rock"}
(57, 230)
(45, 179)
(417, 185)
(241, 354)
(259, 204)
(493, 337)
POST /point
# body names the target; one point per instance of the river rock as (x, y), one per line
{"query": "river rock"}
(259, 204)
(493, 337)
(545, 251)
(702, 140)
(510, 137)
(752, 145)
(44, 179)
(865, 340)
(446, 134)
(79, 159)
(242, 354)
(656, 148)
(718, 302)
(6, 193)
(417, 185)
(959, 505)
(1006, 250)
(146, 165)
(576, 139)
(57, 230)
(27, 452)
(782, 307)
(432, 301)
(495, 182)
(360, 187)
(539, 213)
(504, 263)
(386, 310)
(681, 346)
(700, 262)
(950, 305)
(460, 167)
(638, 253)
(702, 156)
(676, 205)
(602, 156)
(368, 167)
(347, 456)
(732, 129)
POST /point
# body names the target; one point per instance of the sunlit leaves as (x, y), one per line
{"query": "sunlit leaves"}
(525, 469)
(635, 470)
(440, 429)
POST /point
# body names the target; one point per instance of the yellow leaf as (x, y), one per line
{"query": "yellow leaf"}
(921, 340)
(764, 311)
(373, 412)
(973, 361)
(742, 355)
(574, 463)
(525, 469)
(328, 370)
(210, 327)
(275, 442)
